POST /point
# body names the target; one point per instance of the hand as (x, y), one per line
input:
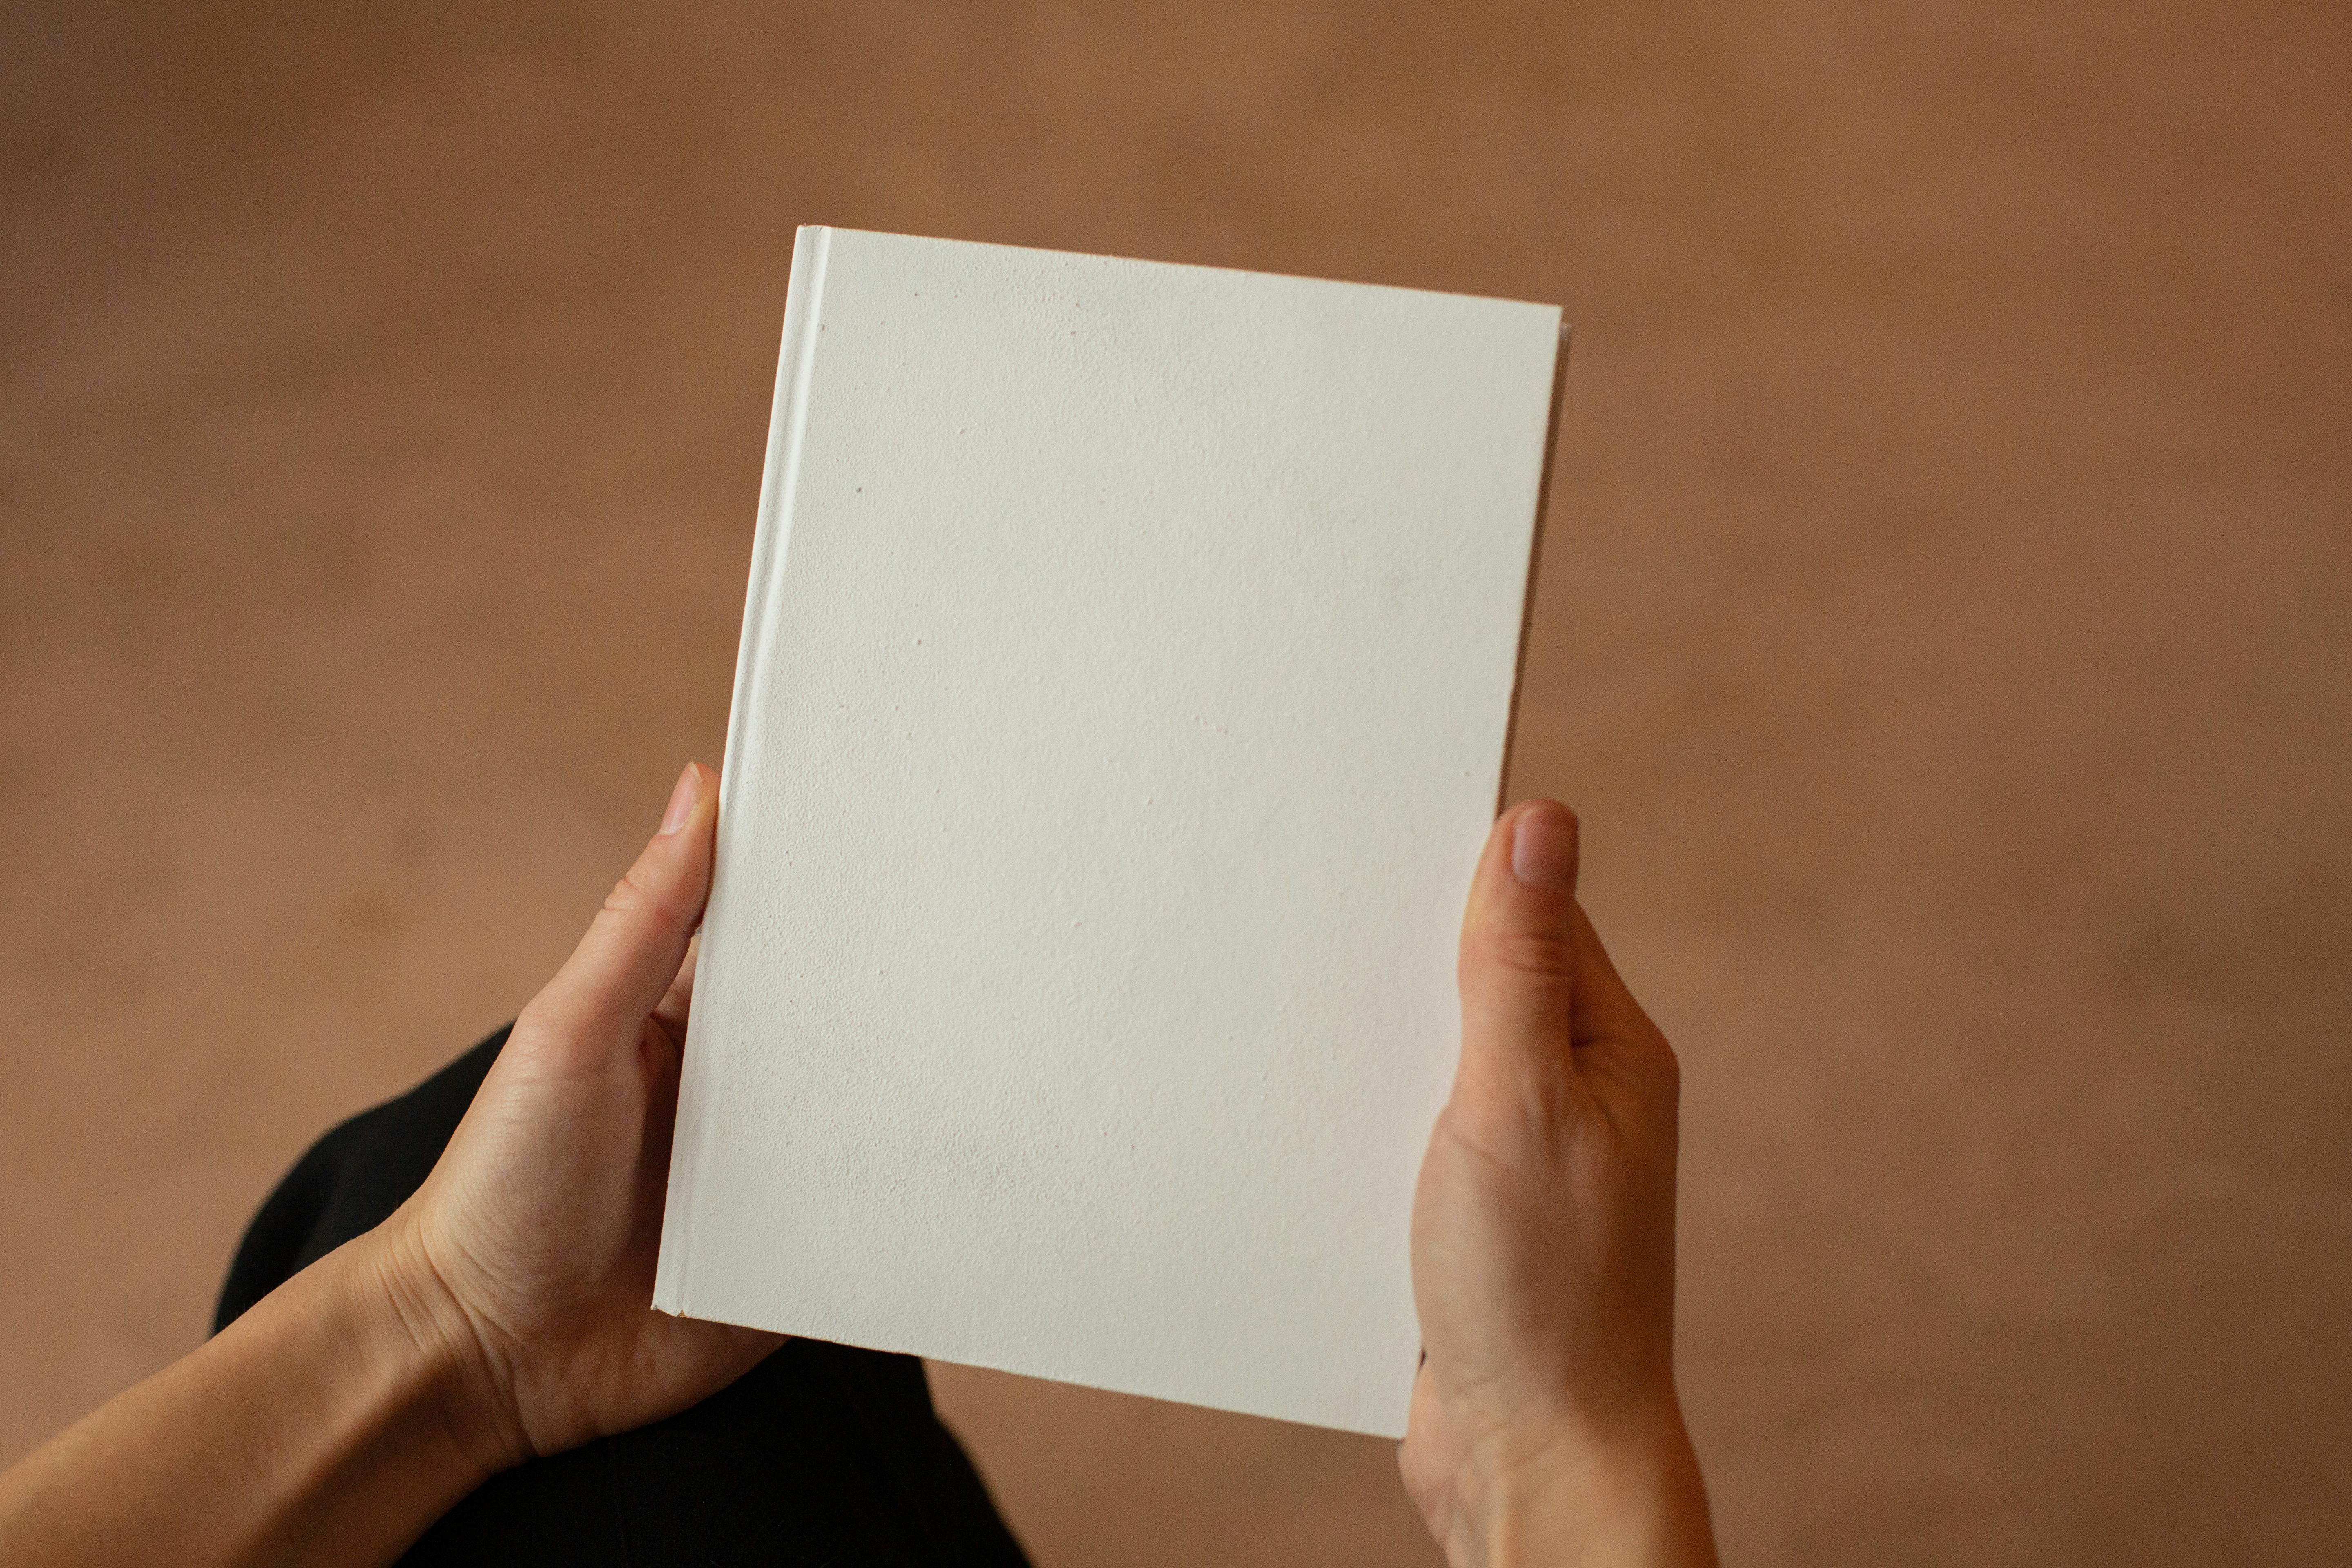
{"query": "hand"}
(503, 1311)
(1545, 1426)
(527, 1257)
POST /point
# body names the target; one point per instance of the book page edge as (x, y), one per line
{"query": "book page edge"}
(1535, 560)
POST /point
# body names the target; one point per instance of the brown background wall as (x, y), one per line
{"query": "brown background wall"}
(1944, 635)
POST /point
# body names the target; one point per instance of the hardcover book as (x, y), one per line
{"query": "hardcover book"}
(1125, 692)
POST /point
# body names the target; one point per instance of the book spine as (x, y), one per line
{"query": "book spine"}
(779, 481)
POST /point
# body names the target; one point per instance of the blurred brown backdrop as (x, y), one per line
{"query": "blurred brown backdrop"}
(1944, 632)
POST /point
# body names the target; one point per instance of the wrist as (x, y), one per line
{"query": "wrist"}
(447, 1365)
(316, 1428)
(1558, 1489)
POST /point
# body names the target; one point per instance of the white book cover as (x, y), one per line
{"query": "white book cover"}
(1125, 692)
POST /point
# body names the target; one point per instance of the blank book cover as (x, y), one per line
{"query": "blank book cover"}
(1125, 687)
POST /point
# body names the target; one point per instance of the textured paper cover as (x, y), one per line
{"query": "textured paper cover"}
(1126, 675)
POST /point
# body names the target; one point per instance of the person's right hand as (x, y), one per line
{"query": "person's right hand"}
(1544, 1426)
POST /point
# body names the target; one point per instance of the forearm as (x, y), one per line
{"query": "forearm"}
(313, 1429)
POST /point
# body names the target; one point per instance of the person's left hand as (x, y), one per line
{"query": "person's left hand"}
(527, 1257)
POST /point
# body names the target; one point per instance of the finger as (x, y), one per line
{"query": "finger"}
(626, 962)
(1608, 1025)
(1520, 955)
(1604, 1008)
(677, 1002)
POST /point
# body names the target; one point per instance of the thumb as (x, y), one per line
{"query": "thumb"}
(1518, 965)
(624, 966)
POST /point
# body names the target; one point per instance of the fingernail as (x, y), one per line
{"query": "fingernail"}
(1543, 847)
(681, 802)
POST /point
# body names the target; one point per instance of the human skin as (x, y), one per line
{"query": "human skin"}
(1545, 1428)
(504, 1310)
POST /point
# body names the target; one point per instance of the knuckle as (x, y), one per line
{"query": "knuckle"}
(542, 1021)
(549, 1015)
(628, 895)
(1538, 955)
(632, 899)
